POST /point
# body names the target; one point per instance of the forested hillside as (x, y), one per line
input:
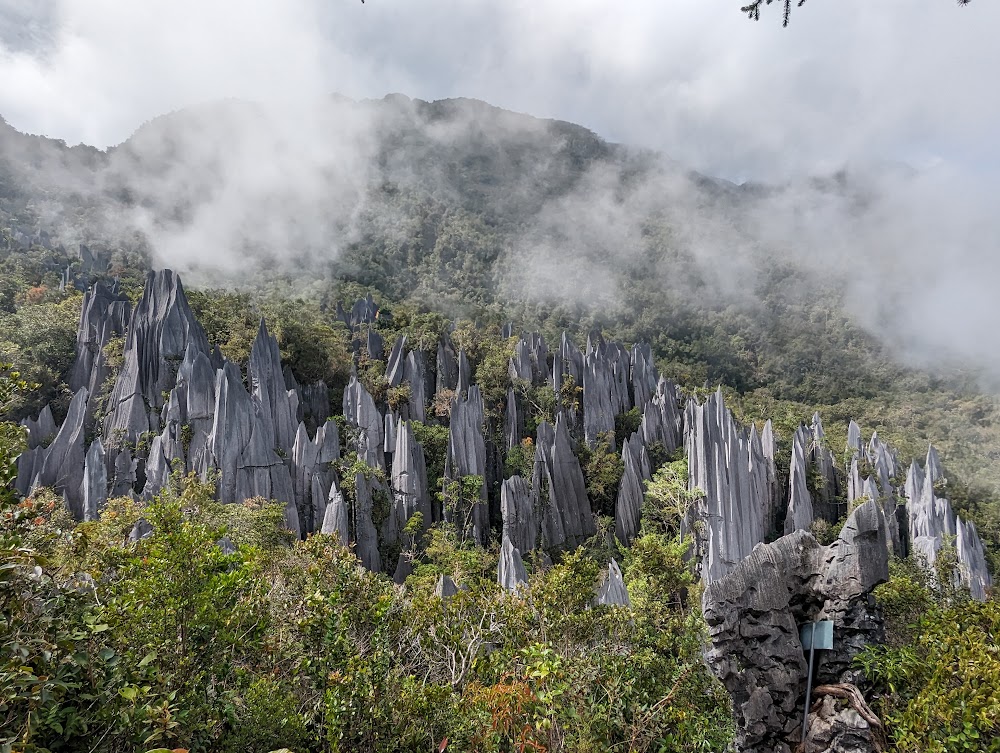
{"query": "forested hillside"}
(386, 244)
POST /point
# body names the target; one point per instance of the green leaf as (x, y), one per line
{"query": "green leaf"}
(147, 658)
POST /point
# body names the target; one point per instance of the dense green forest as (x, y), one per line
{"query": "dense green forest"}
(172, 641)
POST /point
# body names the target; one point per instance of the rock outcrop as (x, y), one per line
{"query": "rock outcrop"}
(612, 591)
(566, 516)
(511, 574)
(467, 457)
(755, 611)
(734, 469)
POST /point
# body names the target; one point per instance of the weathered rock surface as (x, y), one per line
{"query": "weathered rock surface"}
(734, 468)
(566, 516)
(631, 492)
(932, 522)
(268, 388)
(598, 403)
(61, 465)
(511, 574)
(364, 417)
(612, 591)
(161, 327)
(104, 315)
(520, 520)
(94, 492)
(409, 478)
(336, 519)
(800, 513)
(467, 457)
(754, 613)
(41, 429)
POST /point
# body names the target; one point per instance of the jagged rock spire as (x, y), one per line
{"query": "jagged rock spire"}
(511, 574)
(769, 594)
(62, 464)
(520, 520)
(734, 468)
(467, 457)
(361, 413)
(567, 518)
(105, 314)
(612, 591)
(161, 327)
(41, 429)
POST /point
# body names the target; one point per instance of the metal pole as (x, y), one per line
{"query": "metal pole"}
(809, 679)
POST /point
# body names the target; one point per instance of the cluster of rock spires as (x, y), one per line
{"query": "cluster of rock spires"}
(176, 402)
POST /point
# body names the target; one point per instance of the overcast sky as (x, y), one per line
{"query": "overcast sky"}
(848, 81)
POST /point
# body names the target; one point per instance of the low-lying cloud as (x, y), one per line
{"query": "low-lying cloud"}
(906, 98)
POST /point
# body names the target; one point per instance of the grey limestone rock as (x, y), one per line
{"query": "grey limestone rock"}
(467, 457)
(445, 587)
(195, 391)
(800, 513)
(42, 429)
(268, 388)
(328, 441)
(662, 421)
(464, 374)
(513, 421)
(226, 545)
(159, 464)
(519, 366)
(823, 464)
(932, 522)
(141, 530)
(933, 467)
(599, 409)
(568, 360)
(415, 374)
(836, 727)
(644, 375)
(389, 433)
(95, 482)
(396, 362)
(409, 478)
(305, 464)
(336, 518)
(366, 543)
(754, 613)
(631, 493)
(520, 521)
(104, 314)
(374, 345)
(854, 443)
(566, 515)
(734, 468)
(63, 465)
(29, 463)
(914, 486)
(530, 360)
(242, 447)
(447, 367)
(124, 476)
(612, 591)
(361, 413)
(315, 402)
(160, 329)
(972, 560)
(511, 574)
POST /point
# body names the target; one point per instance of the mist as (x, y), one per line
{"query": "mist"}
(866, 132)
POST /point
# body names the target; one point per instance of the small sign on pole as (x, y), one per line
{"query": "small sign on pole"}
(814, 635)
(820, 633)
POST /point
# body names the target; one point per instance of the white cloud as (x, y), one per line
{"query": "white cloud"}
(853, 82)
